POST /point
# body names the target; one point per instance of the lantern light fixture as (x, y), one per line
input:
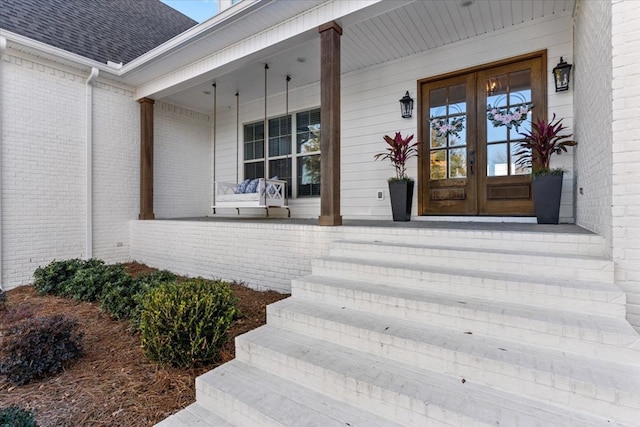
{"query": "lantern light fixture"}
(406, 106)
(561, 75)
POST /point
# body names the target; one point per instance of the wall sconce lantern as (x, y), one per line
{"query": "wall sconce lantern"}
(406, 106)
(561, 74)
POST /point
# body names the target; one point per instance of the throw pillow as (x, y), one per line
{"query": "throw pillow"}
(242, 187)
(253, 186)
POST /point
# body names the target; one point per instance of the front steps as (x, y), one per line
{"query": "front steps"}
(437, 327)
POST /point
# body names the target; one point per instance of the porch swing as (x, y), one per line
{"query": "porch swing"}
(261, 193)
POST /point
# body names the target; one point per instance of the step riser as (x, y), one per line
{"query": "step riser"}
(334, 332)
(539, 332)
(232, 410)
(379, 401)
(574, 300)
(538, 266)
(579, 244)
(366, 395)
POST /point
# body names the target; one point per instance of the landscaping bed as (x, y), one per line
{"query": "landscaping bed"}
(114, 383)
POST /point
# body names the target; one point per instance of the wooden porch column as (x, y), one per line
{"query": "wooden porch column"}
(330, 124)
(146, 158)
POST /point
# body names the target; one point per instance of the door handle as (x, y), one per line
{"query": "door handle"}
(472, 160)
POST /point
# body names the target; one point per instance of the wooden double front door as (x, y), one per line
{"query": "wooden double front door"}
(470, 126)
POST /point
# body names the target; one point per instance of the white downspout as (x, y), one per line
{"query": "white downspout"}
(3, 47)
(89, 162)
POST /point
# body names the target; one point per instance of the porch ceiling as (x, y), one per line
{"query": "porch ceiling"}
(369, 39)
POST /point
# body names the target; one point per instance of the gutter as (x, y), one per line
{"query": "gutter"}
(3, 47)
(89, 163)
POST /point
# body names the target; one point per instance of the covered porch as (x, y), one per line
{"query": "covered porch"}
(210, 119)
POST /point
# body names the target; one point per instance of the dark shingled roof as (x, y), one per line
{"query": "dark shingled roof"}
(114, 30)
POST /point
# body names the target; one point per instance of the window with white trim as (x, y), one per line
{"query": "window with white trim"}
(280, 146)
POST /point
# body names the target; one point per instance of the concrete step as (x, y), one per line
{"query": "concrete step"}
(247, 396)
(601, 337)
(535, 372)
(495, 236)
(407, 393)
(194, 415)
(581, 296)
(549, 264)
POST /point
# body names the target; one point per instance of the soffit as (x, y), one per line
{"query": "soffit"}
(402, 31)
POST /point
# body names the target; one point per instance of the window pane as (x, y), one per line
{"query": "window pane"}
(457, 99)
(497, 160)
(254, 141)
(438, 164)
(281, 168)
(308, 131)
(308, 175)
(458, 163)
(254, 170)
(518, 169)
(520, 87)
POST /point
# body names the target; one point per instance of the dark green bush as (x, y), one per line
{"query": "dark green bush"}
(123, 299)
(53, 276)
(40, 347)
(89, 281)
(14, 416)
(184, 324)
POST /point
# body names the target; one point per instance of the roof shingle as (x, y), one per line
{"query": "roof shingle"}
(102, 30)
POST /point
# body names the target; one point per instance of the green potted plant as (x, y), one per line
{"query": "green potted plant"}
(543, 140)
(399, 150)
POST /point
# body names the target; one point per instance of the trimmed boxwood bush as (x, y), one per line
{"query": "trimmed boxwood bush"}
(90, 281)
(122, 299)
(53, 276)
(40, 347)
(14, 416)
(184, 324)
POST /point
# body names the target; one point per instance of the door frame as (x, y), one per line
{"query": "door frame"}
(424, 127)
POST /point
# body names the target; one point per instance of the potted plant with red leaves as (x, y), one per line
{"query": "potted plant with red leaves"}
(539, 144)
(398, 151)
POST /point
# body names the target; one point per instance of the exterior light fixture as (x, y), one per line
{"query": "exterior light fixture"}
(406, 106)
(561, 74)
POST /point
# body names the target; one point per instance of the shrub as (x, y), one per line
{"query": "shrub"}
(14, 416)
(90, 281)
(40, 347)
(184, 324)
(3, 299)
(50, 278)
(122, 299)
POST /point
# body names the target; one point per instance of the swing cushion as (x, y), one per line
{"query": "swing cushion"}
(242, 187)
(253, 186)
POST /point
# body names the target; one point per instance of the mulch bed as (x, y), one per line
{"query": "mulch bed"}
(113, 384)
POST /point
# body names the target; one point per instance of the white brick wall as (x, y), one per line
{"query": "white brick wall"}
(42, 166)
(181, 169)
(262, 257)
(591, 74)
(116, 170)
(626, 151)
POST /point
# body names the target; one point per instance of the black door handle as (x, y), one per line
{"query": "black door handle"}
(472, 160)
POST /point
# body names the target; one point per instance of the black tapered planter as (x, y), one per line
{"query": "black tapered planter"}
(547, 190)
(401, 193)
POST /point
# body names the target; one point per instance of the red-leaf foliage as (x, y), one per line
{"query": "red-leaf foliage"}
(541, 142)
(399, 150)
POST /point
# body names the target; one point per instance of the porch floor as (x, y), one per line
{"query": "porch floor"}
(493, 225)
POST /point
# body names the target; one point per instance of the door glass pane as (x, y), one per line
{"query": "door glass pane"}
(508, 114)
(520, 87)
(438, 164)
(458, 163)
(518, 169)
(447, 124)
(497, 160)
